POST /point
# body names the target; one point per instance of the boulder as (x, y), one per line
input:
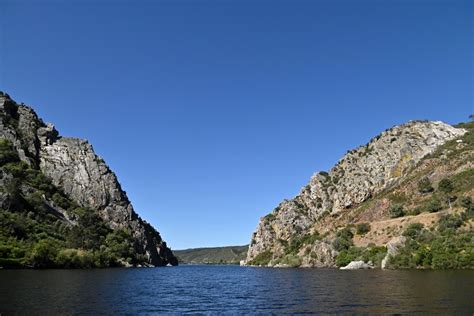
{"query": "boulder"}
(357, 265)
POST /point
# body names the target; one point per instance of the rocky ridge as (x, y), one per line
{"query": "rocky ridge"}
(363, 173)
(84, 177)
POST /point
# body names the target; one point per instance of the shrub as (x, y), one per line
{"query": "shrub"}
(446, 249)
(262, 258)
(296, 243)
(449, 222)
(424, 186)
(7, 153)
(61, 201)
(434, 205)
(343, 239)
(396, 211)
(44, 253)
(466, 202)
(413, 230)
(37, 202)
(75, 258)
(415, 211)
(343, 258)
(345, 233)
(17, 169)
(291, 260)
(445, 186)
(363, 228)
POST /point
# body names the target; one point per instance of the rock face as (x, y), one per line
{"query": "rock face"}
(392, 249)
(361, 174)
(74, 167)
(317, 255)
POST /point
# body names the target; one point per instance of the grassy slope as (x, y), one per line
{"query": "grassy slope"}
(214, 255)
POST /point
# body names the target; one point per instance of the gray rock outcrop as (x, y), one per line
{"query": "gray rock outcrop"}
(359, 175)
(393, 247)
(73, 166)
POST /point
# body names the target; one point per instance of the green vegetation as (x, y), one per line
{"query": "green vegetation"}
(463, 181)
(7, 153)
(413, 230)
(262, 259)
(348, 252)
(343, 239)
(424, 186)
(270, 217)
(468, 205)
(366, 254)
(445, 186)
(396, 211)
(214, 255)
(34, 234)
(449, 222)
(434, 205)
(296, 243)
(363, 228)
(398, 198)
(449, 247)
(291, 260)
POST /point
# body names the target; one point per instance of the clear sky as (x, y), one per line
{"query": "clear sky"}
(212, 112)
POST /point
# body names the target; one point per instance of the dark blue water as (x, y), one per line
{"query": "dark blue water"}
(234, 290)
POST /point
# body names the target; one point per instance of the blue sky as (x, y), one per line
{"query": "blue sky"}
(212, 112)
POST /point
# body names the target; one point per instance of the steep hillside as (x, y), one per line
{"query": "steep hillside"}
(60, 203)
(213, 255)
(419, 172)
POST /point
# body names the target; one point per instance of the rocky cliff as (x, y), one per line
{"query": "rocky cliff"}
(308, 230)
(71, 166)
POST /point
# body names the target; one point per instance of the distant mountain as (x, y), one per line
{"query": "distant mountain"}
(61, 205)
(404, 200)
(214, 255)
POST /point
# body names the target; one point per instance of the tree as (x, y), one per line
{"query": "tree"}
(468, 205)
(343, 240)
(396, 211)
(413, 230)
(363, 228)
(434, 205)
(44, 253)
(450, 222)
(466, 202)
(471, 117)
(446, 187)
(7, 152)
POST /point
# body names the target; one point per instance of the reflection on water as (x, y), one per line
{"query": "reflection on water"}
(231, 289)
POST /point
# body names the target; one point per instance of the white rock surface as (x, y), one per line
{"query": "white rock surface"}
(392, 249)
(356, 265)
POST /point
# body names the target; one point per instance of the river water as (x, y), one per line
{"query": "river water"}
(234, 290)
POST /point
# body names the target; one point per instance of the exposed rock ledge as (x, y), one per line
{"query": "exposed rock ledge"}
(356, 265)
(393, 247)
